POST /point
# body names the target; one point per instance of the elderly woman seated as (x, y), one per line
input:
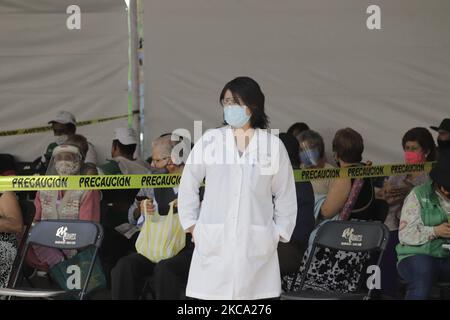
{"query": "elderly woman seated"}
(60, 204)
(424, 232)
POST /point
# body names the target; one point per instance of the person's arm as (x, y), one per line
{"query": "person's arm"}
(412, 230)
(134, 212)
(37, 206)
(336, 197)
(188, 193)
(10, 214)
(90, 206)
(285, 197)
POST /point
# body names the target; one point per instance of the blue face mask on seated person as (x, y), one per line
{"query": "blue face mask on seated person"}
(235, 115)
(310, 157)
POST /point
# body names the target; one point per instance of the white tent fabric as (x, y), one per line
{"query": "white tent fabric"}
(315, 60)
(45, 67)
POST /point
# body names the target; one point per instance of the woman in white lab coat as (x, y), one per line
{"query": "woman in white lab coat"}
(249, 203)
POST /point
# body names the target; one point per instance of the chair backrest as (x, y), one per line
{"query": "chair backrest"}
(353, 236)
(355, 240)
(66, 234)
(28, 212)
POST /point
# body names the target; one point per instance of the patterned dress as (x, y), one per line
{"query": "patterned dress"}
(8, 251)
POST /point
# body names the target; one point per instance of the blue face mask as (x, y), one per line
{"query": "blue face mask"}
(310, 157)
(235, 115)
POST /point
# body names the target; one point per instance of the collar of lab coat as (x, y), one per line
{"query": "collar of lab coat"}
(251, 150)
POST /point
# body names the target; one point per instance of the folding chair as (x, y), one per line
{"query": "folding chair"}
(28, 212)
(346, 236)
(63, 235)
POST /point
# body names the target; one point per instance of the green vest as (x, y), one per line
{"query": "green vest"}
(432, 215)
(110, 167)
(49, 151)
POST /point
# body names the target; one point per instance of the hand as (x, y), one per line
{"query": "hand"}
(191, 231)
(442, 230)
(150, 206)
(175, 203)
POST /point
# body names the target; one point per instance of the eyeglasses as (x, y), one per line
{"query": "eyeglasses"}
(159, 160)
(229, 101)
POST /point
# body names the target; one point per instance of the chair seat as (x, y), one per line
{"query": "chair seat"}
(319, 295)
(30, 293)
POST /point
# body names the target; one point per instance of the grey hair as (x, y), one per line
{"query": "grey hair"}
(165, 144)
(313, 139)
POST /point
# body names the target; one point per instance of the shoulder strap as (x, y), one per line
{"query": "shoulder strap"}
(351, 200)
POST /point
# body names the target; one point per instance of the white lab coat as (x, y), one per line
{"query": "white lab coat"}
(249, 205)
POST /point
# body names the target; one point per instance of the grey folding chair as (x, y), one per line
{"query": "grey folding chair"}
(63, 235)
(346, 236)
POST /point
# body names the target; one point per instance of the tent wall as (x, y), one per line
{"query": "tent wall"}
(45, 67)
(315, 60)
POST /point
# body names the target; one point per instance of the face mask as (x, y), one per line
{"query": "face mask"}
(309, 157)
(414, 157)
(61, 139)
(235, 115)
(443, 144)
(66, 168)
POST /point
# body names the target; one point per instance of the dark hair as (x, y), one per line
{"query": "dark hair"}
(425, 140)
(348, 145)
(248, 91)
(292, 148)
(125, 149)
(297, 128)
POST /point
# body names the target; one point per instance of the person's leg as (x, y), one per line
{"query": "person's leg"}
(420, 272)
(127, 277)
(114, 247)
(388, 267)
(444, 274)
(171, 275)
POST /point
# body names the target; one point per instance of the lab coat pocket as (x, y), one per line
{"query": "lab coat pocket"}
(263, 241)
(209, 239)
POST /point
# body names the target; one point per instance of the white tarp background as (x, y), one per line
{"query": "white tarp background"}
(315, 60)
(45, 67)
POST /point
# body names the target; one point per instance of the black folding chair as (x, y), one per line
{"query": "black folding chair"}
(63, 235)
(28, 212)
(346, 236)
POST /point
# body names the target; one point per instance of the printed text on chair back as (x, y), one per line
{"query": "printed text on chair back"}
(65, 234)
(354, 236)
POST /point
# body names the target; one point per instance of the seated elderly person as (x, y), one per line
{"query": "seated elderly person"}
(424, 230)
(290, 254)
(418, 147)
(62, 204)
(10, 225)
(128, 276)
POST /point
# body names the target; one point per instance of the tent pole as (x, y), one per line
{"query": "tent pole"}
(134, 47)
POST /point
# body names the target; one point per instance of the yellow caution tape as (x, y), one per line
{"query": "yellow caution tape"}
(361, 171)
(136, 181)
(49, 128)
